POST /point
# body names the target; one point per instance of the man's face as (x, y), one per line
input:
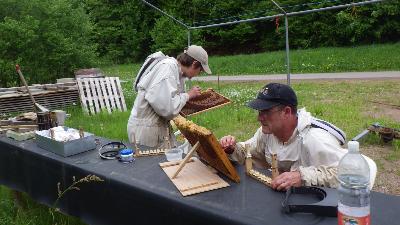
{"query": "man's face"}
(192, 71)
(271, 120)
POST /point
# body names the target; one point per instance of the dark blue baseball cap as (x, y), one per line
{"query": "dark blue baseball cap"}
(273, 94)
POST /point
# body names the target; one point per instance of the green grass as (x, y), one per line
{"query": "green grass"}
(346, 104)
(33, 213)
(382, 57)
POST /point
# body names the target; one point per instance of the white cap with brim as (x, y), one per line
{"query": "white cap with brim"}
(199, 54)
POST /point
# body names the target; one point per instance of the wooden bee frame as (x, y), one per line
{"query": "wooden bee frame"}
(150, 152)
(209, 149)
(260, 177)
(208, 100)
(256, 174)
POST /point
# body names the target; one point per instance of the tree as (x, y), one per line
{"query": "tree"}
(48, 38)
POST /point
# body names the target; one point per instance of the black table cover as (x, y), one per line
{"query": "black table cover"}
(141, 193)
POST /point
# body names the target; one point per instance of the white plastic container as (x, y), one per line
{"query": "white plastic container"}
(185, 146)
(174, 154)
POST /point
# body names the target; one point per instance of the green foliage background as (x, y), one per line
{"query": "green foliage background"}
(49, 38)
(52, 38)
(148, 30)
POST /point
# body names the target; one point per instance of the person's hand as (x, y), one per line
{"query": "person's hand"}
(287, 179)
(194, 92)
(228, 143)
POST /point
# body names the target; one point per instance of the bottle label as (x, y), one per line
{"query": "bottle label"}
(351, 220)
(348, 215)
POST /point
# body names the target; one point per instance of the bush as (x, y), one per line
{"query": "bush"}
(48, 38)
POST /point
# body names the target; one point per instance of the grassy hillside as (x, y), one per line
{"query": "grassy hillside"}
(383, 57)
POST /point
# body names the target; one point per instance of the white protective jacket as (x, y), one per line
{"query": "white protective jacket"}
(160, 98)
(312, 151)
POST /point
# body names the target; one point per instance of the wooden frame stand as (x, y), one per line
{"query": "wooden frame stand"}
(192, 176)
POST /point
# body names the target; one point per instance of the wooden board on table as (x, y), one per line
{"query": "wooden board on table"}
(210, 149)
(194, 178)
(208, 100)
(98, 94)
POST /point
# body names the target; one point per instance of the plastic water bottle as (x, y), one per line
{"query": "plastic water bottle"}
(354, 194)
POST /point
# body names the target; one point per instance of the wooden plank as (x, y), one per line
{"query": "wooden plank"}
(36, 91)
(50, 102)
(94, 95)
(185, 160)
(82, 95)
(89, 96)
(121, 94)
(110, 93)
(115, 93)
(43, 99)
(274, 165)
(100, 93)
(105, 95)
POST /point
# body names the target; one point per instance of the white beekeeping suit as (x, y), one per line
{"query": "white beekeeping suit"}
(160, 98)
(313, 151)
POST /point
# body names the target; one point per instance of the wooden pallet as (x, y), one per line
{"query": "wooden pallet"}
(99, 94)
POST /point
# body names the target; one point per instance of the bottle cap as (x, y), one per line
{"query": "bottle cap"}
(353, 146)
(126, 151)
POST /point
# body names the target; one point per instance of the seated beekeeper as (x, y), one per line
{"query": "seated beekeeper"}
(308, 149)
(161, 95)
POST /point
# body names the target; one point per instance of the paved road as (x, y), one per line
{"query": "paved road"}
(306, 76)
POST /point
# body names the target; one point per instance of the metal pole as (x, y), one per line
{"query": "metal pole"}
(333, 7)
(285, 14)
(188, 33)
(171, 17)
(287, 50)
(286, 41)
(189, 82)
(288, 14)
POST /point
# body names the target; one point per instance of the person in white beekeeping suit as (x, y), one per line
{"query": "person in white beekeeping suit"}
(308, 149)
(161, 95)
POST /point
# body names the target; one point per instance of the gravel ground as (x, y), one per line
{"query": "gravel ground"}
(388, 177)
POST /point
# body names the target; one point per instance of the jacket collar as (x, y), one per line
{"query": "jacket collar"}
(303, 121)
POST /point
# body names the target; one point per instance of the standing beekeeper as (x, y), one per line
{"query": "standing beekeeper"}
(161, 95)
